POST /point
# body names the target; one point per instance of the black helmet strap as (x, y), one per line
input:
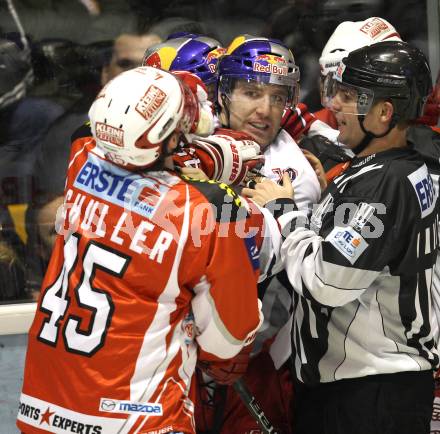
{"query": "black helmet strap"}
(369, 136)
(226, 109)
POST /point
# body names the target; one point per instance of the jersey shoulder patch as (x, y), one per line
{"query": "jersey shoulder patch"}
(227, 204)
(424, 189)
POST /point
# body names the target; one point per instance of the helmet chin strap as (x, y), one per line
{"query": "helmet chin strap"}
(369, 136)
(226, 109)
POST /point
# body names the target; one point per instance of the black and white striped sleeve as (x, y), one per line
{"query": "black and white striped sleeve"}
(336, 265)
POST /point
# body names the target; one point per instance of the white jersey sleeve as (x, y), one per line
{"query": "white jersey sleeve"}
(284, 155)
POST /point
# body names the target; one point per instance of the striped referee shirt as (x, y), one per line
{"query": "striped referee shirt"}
(362, 272)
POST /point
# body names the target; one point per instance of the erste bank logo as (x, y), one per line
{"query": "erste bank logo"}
(348, 242)
(424, 189)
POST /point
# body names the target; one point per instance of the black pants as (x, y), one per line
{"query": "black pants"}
(381, 404)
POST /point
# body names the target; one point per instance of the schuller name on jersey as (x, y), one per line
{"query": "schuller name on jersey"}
(98, 182)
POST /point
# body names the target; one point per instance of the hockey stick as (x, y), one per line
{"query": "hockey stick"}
(253, 407)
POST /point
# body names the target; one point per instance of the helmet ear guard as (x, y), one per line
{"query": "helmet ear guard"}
(196, 97)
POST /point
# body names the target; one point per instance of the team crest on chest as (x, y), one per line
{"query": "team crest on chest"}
(280, 173)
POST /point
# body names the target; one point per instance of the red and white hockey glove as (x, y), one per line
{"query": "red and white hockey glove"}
(204, 124)
(234, 156)
(297, 120)
(227, 371)
(431, 111)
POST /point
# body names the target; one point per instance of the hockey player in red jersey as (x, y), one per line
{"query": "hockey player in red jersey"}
(143, 278)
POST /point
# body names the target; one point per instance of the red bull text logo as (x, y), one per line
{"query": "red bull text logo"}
(150, 102)
(270, 64)
(213, 57)
(110, 134)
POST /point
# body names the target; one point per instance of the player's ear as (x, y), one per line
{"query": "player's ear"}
(172, 142)
(386, 112)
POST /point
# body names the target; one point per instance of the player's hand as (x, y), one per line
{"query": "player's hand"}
(317, 167)
(227, 371)
(194, 173)
(267, 190)
(297, 120)
(431, 110)
(236, 157)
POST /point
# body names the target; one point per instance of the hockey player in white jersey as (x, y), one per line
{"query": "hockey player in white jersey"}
(257, 80)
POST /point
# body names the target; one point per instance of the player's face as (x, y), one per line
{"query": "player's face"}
(344, 106)
(257, 109)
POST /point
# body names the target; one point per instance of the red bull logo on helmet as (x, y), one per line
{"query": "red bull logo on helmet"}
(270, 64)
(153, 60)
(162, 58)
(213, 57)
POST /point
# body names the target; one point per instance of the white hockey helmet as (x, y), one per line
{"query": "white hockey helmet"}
(351, 35)
(136, 111)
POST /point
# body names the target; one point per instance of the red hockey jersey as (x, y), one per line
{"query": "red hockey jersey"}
(146, 269)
